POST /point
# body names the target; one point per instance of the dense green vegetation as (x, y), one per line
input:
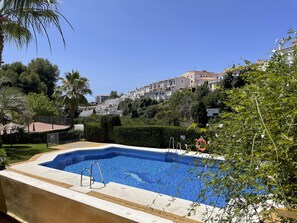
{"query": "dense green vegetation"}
(258, 139)
(153, 136)
(182, 108)
(100, 128)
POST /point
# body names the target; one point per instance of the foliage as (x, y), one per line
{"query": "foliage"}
(180, 103)
(92, 118)
(108, 122)
(113, 94)
(152, 136)
(126, 106)
(72, 92)
(199, 113)
(216, 99)
(22, 20)
(48, 74)
(41, 105)
(258, 139)
(94, 132)
(40, 76)
(28, 137)
(101, 128)
(126, 121)
(234, 77)
(12, 101)
(3, 159)
(138, 107)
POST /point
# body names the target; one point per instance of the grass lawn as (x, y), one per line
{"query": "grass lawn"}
(23, 152)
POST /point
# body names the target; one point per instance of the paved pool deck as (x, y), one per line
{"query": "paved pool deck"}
(159, 205)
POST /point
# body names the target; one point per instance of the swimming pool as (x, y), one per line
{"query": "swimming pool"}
(161, 172)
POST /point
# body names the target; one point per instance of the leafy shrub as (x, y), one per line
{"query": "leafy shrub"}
(91, 118)
(3, 159)
(94, 132)
(108, 122)
(152, 136)
(100, 128)
(27, 137)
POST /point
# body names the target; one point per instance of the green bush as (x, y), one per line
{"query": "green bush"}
(108, 122)
(94, 133)
(101, 130)
(3, 159)
(22, 137)
(153, 136)
(173, 131)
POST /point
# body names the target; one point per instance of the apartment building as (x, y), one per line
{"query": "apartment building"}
(160, 90)
(101, 98)
(163, 89)
(287, 51)
(198, 78)
(213, 84)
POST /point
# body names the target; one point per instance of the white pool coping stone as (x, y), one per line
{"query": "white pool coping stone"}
(140, 196)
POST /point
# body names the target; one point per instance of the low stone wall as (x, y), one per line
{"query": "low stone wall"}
(37, 201)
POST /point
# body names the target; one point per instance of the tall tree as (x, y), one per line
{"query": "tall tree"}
(41, 105)
(113, 94)
(48, 74)
(22, 20)
(13, 101)
(72, 91)
(199, 113)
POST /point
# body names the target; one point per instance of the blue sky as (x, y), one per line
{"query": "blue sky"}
(123, 44)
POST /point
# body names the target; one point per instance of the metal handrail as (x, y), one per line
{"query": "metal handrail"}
(178, 145)
(99, 168)
(171, 139)
(81, 175)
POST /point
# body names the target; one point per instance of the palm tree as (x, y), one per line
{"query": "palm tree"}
(22, 20)
(12, 100)
(72, 92)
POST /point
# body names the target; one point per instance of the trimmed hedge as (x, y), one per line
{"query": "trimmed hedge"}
(108, 122)
(27, 137)
(153, 136)
(103, 131)
(94, 133)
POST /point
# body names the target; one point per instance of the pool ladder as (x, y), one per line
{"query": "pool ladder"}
(90, 172)
(178, 145)
(171, 141)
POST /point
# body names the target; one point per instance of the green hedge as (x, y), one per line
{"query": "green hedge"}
(153, 136)
(108, 122)
(94, 132)
(27, 137)
(103, 131)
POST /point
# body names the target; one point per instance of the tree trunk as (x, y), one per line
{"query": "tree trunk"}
(1, 38)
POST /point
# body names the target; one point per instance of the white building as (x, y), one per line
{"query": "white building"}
(198, 78)
(287, 50)
(213, 84)
(160, 90)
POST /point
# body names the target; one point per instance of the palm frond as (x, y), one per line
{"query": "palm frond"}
(17, 33)
(34, 17)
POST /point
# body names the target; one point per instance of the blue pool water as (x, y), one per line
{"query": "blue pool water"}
(165, 173)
